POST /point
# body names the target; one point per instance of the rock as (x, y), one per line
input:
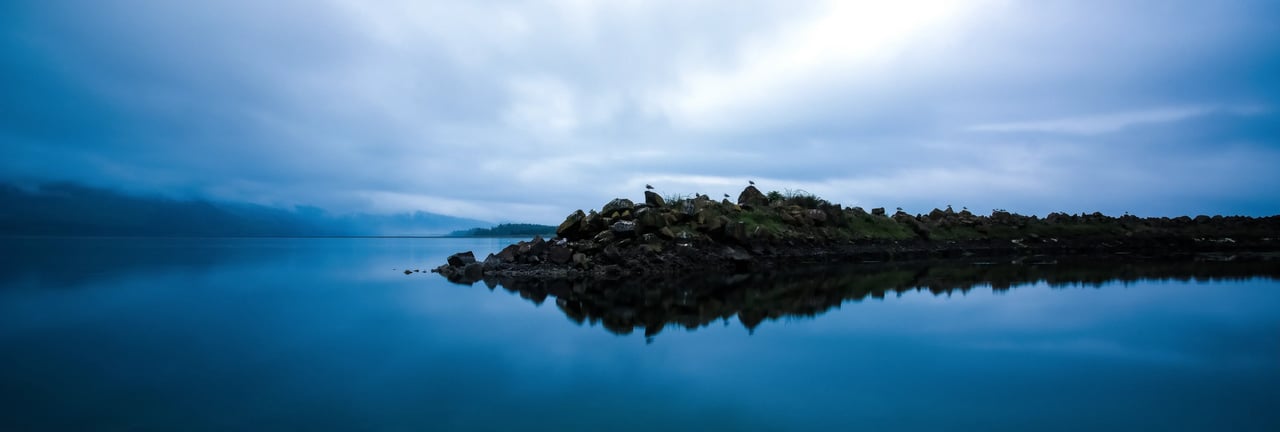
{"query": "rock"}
(474, 271)
(701, 202)
(593, 223)
(408, 272)
(652, 199)
(650, 220)
(580, 260)
(736, 254)
(559, 254)
(666, 233)
(491, 262)
(911, 222)
(789, 218)
(618, 205)
(752, 197)
(706, 219)
(571, 228)
(623, 229)
(461, 259)
(604, 237)
(736, 231)
(687, 209)
(611, 253)
(533, 247)
(818, 217)
(878, 211)
(508, 254)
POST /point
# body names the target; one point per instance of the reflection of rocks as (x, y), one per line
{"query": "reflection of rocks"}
(774, 231)
(625, 306)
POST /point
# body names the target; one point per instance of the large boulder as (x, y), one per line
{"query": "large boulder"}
(572, 227)
(533, 247)
(618, 205)
(509, 253)
(752, 197)
(593, 223)
(652, 199)
(461, 259)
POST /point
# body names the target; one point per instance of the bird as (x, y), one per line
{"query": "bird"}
(648, 187)
(751, 182)
(726, 195)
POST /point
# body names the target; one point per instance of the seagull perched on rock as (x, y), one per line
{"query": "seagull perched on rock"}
(648, 187)
(726, 195)
(751, 182)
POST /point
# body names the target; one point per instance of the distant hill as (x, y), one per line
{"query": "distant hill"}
(508, 230)
(67, 209)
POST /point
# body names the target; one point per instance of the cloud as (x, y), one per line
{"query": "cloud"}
(527, 110)
(1106, 123)
(834, 46)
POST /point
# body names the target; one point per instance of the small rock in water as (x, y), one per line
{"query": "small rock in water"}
(408, 272)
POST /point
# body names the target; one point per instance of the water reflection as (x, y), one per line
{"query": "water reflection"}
(650, 305)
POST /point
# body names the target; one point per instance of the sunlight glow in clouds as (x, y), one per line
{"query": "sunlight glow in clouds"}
(828, 49)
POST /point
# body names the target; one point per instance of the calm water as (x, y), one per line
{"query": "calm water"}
(329, 334)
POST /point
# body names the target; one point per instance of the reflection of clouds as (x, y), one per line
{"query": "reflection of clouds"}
(277, 334)
(1093, 347)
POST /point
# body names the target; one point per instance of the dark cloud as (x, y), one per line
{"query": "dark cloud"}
(525, 111)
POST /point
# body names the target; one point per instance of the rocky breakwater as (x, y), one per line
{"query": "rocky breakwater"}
(698, 234)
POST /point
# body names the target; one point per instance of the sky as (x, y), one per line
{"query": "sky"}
(525, 111)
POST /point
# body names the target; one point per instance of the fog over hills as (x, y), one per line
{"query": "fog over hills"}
(69, 209)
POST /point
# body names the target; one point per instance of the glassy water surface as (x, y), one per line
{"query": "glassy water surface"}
(330, 334)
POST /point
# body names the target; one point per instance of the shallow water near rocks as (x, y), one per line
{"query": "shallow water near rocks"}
(330, 334)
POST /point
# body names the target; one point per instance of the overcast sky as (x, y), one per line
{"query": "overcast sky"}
(525, 111)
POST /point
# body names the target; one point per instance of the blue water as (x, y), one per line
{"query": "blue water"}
(330, 334)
